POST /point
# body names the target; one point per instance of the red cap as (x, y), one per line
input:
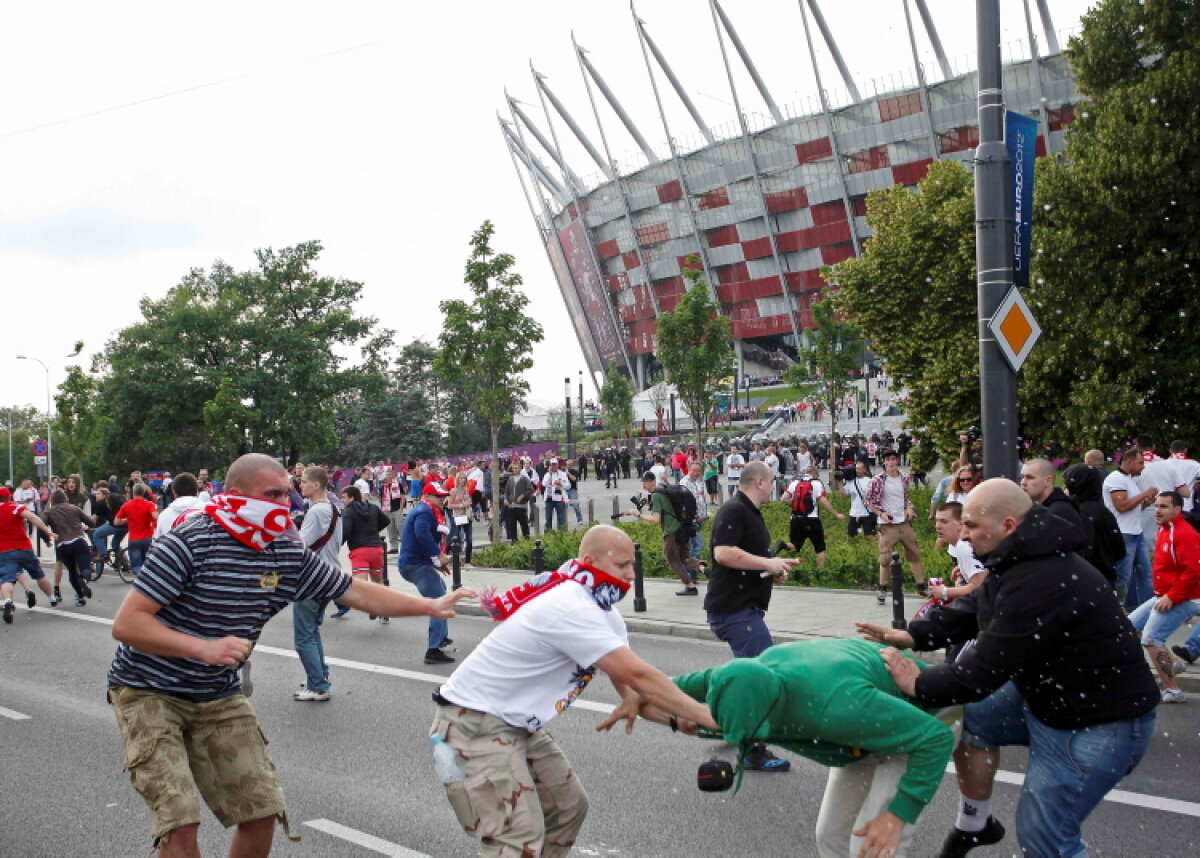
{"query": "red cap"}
(5, 494)
(433, 488)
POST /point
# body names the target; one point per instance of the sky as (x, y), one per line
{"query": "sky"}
(141, 140)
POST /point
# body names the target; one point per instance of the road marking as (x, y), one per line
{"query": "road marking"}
(361, 838)
(15, 716)
(1170, 805)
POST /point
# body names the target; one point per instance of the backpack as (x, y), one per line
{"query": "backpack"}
(803, 501)
(683, 502)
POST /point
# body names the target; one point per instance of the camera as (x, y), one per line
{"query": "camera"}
(639, 502)
(973, 433)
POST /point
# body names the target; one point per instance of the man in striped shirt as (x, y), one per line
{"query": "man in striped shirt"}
(190, 621)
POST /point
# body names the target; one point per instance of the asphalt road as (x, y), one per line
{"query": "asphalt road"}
(359, 768)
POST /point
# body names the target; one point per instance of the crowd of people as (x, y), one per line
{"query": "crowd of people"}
(1072, 677)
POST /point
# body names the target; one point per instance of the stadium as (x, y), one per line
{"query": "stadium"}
(763, 202)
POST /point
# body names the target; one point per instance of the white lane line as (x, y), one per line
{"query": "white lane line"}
(361, 838)
(14, 716)
(1170, 805)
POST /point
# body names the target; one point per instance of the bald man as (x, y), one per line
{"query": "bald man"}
(1037, 481)
(1056, 667)
(520, 795)
(190, 621)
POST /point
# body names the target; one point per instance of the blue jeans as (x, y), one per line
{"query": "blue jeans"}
(1157, 627)
(465, 534)
(429, 584)
(745, 631)
(696, 544)
(1192, 644)
(1133, 572)
(559, 507)
(137, 554)
(100, 542)
(1069, 773)
(307, 616)
(573, 497)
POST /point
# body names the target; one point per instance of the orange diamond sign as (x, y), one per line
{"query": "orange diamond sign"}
(1015, 328)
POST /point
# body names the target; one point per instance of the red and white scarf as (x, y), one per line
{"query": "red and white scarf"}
(254, 522)
(606, 589)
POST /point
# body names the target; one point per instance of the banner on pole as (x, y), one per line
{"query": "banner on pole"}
(1020, 138)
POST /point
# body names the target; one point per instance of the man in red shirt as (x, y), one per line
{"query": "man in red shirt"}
(139, 515)
(1176, 599)
(16, 551)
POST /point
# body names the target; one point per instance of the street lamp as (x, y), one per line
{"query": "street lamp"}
(567, 389)
(49, 440)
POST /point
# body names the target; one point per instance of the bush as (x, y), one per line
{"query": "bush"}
(850, 563)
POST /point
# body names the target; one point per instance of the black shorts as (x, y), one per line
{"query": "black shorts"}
(713, 485)
(865, 522)
(805, 527)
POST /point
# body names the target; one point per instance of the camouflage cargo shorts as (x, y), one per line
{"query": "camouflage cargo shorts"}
(174, 747)
(520, 797)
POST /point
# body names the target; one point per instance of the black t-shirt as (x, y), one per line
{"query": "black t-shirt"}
(739, 523)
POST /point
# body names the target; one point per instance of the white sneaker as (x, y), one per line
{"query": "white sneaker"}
(1180, 666)
(306, 696)
(385, 620)
(1172, 696)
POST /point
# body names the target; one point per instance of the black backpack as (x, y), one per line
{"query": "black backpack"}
(683, 502)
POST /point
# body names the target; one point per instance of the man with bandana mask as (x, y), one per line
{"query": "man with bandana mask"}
(520, 795)
(832, 702)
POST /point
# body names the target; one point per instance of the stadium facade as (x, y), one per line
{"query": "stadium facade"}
(763, 203)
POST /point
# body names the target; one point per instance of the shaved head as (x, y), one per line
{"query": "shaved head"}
(992, 512)
(258, 476)
(608, 548)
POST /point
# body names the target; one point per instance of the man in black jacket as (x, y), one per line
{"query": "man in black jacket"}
(1056, 666)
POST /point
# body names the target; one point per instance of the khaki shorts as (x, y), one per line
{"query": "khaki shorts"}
(890, 534)
(174, 747)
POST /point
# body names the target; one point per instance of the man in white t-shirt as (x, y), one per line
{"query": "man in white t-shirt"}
(734, 463)
(1124, 496)
(660, 472)
(808, 491)
(520, 794)
(1166, 475)
(1187, 469)
(861, 518)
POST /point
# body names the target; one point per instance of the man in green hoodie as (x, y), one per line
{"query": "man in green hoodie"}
(834, 702)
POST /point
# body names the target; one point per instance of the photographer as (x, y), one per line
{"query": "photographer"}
(663, 512)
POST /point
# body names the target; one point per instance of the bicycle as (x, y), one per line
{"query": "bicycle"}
(118, 561)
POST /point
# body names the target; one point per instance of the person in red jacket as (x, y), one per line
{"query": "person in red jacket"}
(1176, 570)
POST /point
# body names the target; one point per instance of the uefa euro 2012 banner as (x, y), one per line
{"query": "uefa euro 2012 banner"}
(1020, 138)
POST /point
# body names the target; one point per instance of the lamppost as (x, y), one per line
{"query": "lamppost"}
(49, 440)
(567, 411)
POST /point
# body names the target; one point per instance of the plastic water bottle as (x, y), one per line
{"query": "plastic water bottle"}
(446, 761)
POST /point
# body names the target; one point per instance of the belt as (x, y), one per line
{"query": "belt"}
(440, 700)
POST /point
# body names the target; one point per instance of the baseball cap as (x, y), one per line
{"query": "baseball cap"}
(435, 489)
(5, 494)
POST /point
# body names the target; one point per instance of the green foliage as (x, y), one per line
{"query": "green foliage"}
(822, 371)
(28, 425)
(850, 563)
(486, 344)
(1116, 244)
(228, 362)
(695, 347)
(913, 294)
(616, 397)
(80, 426)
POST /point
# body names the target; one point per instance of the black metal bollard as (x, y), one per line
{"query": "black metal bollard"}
(591, 510)
(898, 621)
(535, 520)
(539, 557)
(639, 580)
(616, 516)
(456, 563)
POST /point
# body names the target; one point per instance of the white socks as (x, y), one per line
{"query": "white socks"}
(972, 813)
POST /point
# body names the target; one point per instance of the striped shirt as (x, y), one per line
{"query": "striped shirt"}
(211, 586)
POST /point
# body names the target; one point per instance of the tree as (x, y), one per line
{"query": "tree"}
(912, 293)
(486, 343)
(230, 362)
(616, 397)
(80, 426)
(823, 370)
(28, 425)
(1117, 238)
(695, 348)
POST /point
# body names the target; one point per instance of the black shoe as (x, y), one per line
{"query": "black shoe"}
(87, 591)
(760, 759)
(57, 594)
(881, 595)
(923, 590)
(30, 599)
(1180, 651)
(9, 607)
(80, 601)
(959, 843)
(447, 641)
(436, 656)
(687, 591)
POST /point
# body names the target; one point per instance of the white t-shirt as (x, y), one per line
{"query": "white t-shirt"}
(660, 473)
(772, 462)
(1131, 521)
(1189, 469)
(363, 486)
(818, 492)
(955, 497)
(803, 461)
(534, 665)
(1164, 474)
(893, 500)
(733, 466)
(170, 515)
(964, 559)
(28, 497)
(856, 490)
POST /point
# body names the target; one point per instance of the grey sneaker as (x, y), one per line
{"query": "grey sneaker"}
(1171, 696)
(306, 696)
(1180, 666)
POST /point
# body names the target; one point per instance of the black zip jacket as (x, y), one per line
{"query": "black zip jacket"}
(361, 523)
(1047, 620)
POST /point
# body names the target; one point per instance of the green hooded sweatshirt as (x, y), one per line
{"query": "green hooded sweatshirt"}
(832, 701)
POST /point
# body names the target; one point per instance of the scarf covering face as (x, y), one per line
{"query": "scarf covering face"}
(254, 522)
(741, 695)
(605, 589)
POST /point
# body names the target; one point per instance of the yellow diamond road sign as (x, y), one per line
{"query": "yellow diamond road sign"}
(1014, 328)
